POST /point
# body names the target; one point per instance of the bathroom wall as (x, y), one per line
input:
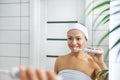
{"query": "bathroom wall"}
(14, 34)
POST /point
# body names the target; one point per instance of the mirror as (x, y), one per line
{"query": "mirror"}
(30, 30)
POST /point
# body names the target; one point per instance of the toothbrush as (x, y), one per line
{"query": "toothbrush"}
(93, 51)
(14, 73)
(90, 50)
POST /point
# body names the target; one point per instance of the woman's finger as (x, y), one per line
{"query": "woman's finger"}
(31, 74)
(41, 74)
(23, 74)
(51, 75)
(91, 54)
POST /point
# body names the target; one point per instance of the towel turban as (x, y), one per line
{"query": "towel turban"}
(80, 27)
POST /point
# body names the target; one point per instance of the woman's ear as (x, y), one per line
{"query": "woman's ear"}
(86, 41)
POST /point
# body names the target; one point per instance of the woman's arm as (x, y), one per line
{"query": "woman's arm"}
(57, 62)
(98, 59)
(56, 67)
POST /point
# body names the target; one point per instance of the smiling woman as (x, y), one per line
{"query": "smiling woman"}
(74, 65)
(34, 31)
(77, 64)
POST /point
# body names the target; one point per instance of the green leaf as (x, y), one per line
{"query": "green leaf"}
(100, 15)
(117, 12)
(103, 21)
(106, 77)
(101, 73)
(89, 5)
(102, 39)
(117, 42)
(106, 21)
(115, 5)
(118, 53)
(106, 55)
(98, 6)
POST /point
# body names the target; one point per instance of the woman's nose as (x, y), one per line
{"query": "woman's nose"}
(74, 42)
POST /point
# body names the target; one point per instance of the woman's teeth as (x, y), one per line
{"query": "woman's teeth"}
(76, 49)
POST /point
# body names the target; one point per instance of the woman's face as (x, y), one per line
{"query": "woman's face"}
(76, 40)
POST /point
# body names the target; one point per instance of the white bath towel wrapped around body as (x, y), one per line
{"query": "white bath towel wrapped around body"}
(73, 75)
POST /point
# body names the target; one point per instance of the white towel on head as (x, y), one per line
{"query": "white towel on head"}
(73, 75)
(80, 27)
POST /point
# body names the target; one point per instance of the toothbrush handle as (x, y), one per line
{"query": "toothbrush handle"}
(94, 51)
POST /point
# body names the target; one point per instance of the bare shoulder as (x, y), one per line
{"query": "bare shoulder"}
(60, 58)
(58, 63)
(89, 58)
(91, 61)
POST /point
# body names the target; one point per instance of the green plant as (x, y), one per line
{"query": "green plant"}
(104, 72)
(103, 21)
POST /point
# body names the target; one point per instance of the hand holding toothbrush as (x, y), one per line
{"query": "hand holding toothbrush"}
(98, 58)
(29, 73)
(37, 74)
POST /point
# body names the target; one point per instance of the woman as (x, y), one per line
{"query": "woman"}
(77, 65)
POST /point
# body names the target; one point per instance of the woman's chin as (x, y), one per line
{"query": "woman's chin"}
(75, 51)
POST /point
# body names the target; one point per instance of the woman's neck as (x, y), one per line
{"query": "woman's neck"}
(77, 54)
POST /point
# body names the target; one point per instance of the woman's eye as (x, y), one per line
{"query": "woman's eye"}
(78, 38)
(69, 38)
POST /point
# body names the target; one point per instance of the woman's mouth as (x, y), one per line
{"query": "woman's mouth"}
(76, 49)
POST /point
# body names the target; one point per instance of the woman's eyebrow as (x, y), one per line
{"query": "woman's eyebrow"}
(69, 35)
(78, 36)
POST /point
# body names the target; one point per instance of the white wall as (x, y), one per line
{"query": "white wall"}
(14, 34)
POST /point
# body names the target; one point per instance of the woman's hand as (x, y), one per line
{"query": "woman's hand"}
(36, 74)
(98, 58)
